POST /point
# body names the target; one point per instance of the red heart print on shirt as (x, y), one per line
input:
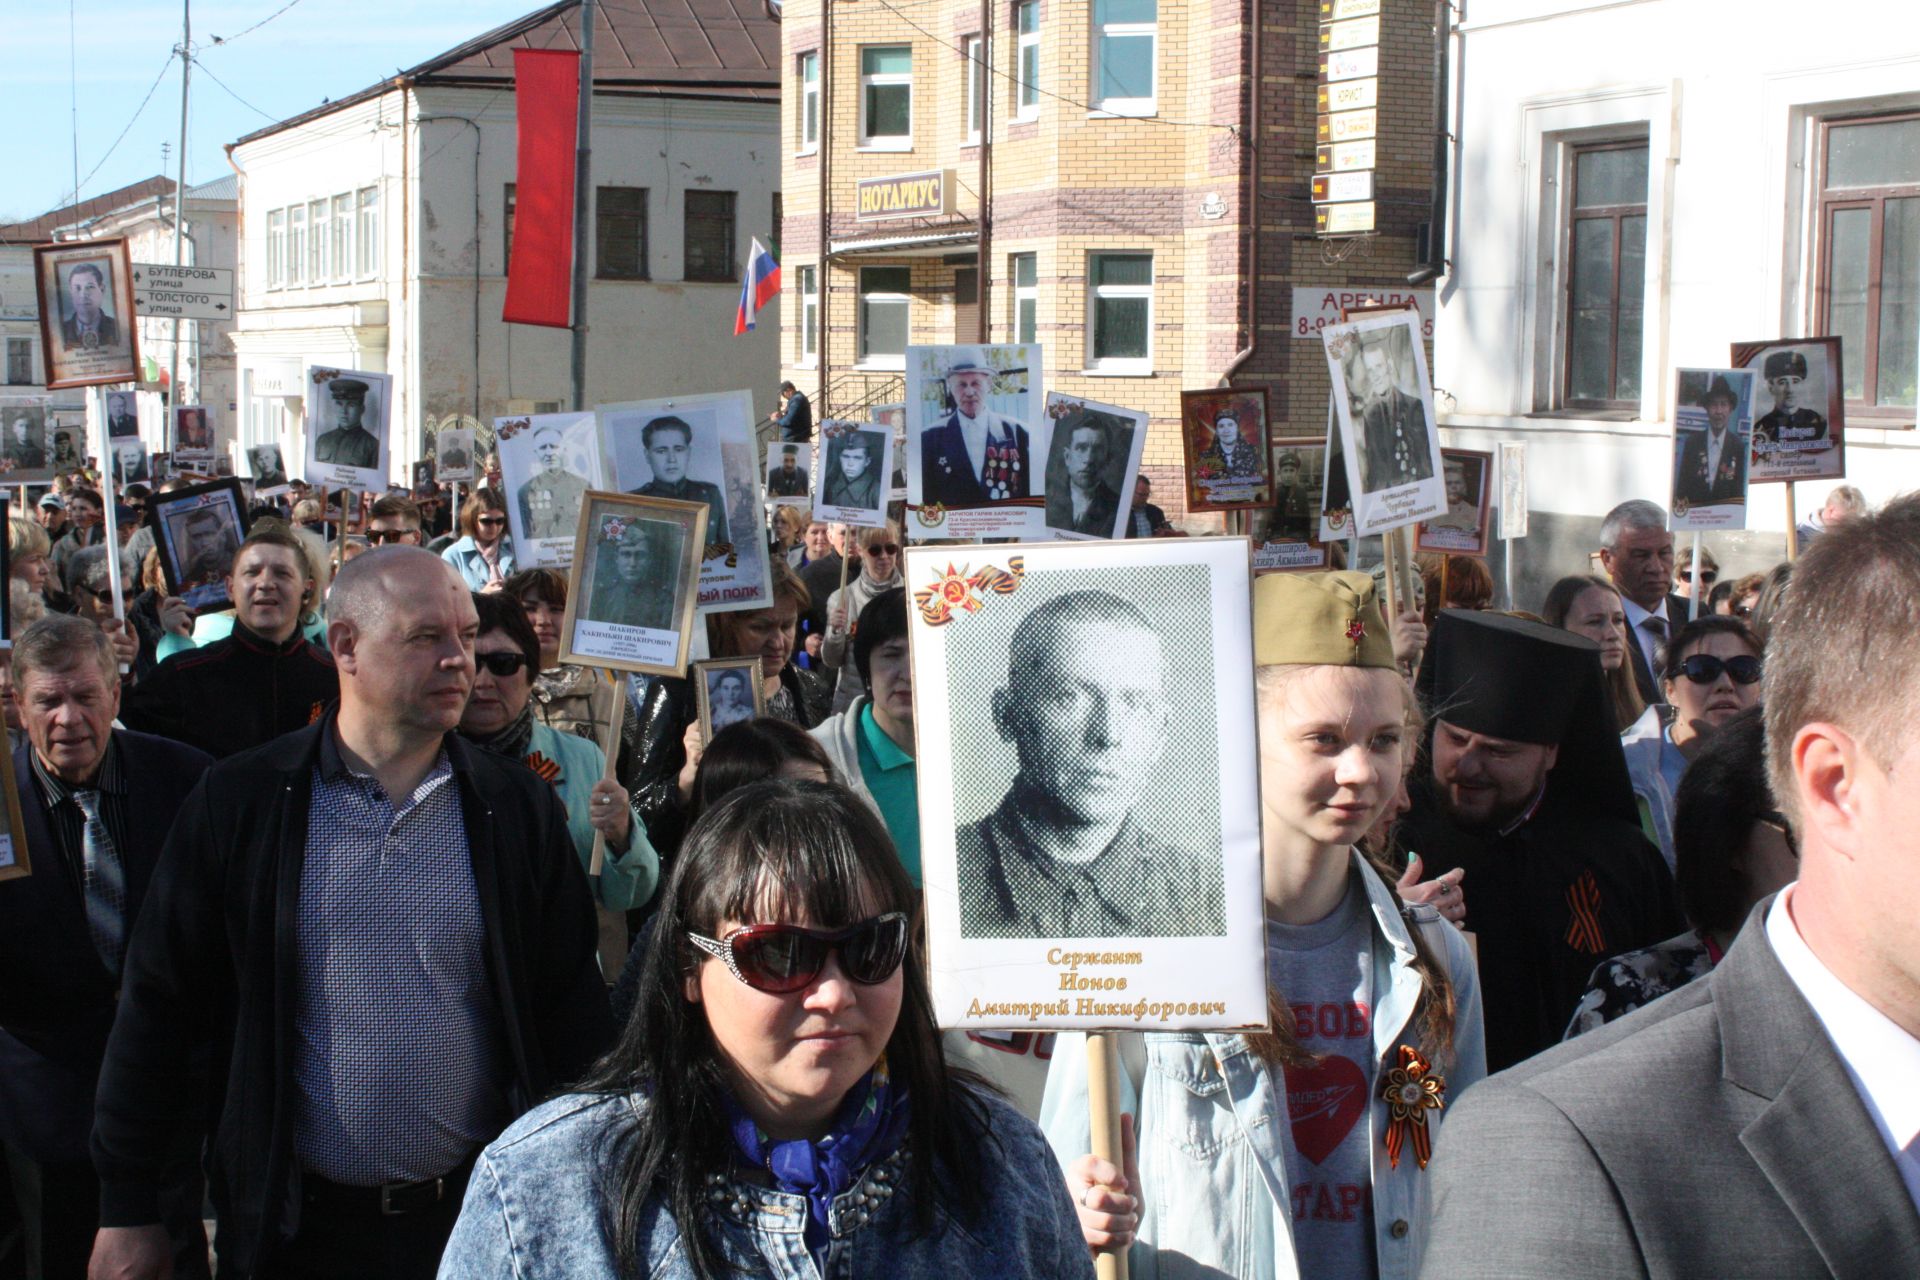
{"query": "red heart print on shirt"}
(1323, 1101)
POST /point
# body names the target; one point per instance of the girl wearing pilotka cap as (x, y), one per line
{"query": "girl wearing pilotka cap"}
(1299, 1152)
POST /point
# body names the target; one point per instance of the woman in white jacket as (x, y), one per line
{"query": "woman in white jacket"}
(1299, 1152)
(879, 571)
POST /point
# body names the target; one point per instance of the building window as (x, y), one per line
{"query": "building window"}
(1120, 312)
(1026, 89)
(884, 299)
(809, 316)
(297, 245)
(319, 241)
(367, 239)
(1869, 282)
(979, 58)
(620, 233)
(506, 227)
(341, 268)
(1126, 40)
(1026, 297)
(276, 248)
(886, 98)
(1606, 276)
(809, 102)
(709, 236)
(20, 362)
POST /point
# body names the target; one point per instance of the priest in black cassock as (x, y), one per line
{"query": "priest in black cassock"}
(1525, 787)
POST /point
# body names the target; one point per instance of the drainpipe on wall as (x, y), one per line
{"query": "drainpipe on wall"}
(824, 329)
(1434, 264)
(1251, 208)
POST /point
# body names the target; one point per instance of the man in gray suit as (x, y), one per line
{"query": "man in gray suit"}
(1760, 1121)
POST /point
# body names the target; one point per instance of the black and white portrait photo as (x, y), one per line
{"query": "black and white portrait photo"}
(130, 461)
(855, 461)
(1091, 462)
(1336, 499)
(548, 462)
(1224, 431)
(1712, 438)
(1288, 534)
(730, 690)
(701, 449)
(1385, 404)
(976, 441)
(1799, 428)
(1088, 778)
(26, 457)
(198, 531)
(636, 569)
(424, 486)
(1462, 528)
(789, 464)
(69, 448)
(268, 469)
(192, 434)
(347, 417)
(87, 330)
(453, 455)
(123, 415)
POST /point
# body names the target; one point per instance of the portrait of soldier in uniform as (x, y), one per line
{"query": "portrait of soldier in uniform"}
(1294, 502)
(1086, 503)
(453, 454)
(787, 478)
(1391, 424)
(633, 579)
(1065, 853)
(269, 470)
(973, 456)
(1790, 425)
(347, 443)
(86, 319)
(69, 452)
(1462, 512)
(668, 441)
(25, 448)
(549, 501)
(206, 547)
(853, 471)
(123, 417)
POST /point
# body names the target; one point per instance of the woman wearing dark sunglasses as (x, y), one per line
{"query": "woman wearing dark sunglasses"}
(879, 571)
(779, 1096)
(484, 552)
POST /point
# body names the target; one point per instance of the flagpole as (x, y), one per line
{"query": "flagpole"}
(582, 191)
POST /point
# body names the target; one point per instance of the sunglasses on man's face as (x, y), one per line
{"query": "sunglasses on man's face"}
(1707, 576)
(105, 594)
(1704, 668)
(780, 959)
(501, 664)
(378, 536)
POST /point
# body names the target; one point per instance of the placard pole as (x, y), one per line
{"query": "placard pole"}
(1507, 570)
(109, 535)
(1693, 596)
(1793, 528)
(612, 922)
(609, 748)
(1103, 1106)
(1446, 564)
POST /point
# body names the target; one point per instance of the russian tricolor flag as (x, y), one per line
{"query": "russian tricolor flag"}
(763, 281)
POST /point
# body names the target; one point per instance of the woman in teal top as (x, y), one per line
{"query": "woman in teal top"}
(499, 717)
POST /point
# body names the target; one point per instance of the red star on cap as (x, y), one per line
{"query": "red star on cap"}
(1356, 631)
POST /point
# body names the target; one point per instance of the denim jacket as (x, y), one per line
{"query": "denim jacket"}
(533, 1209)
(1643, 741)
(1214, 1130)
(465, 556)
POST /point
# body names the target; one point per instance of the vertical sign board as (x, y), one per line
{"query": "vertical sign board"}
(1347, 106)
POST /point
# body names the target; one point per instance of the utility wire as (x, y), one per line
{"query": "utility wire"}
(229, 92)
(80, 185)
(220, 40)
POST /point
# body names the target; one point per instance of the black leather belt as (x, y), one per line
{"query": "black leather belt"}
(391, 1199)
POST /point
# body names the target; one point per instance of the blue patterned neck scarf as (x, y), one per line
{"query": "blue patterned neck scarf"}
(872, 1120)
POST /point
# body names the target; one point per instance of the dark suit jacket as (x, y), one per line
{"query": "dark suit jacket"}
(1398, 418)
(57, 998)
(946, 471)
(1713, 1133)
(1643, 675)
(1098, 519)
(108, 328)
(1729, 483)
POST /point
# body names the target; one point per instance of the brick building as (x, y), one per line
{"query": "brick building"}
(1120, 227)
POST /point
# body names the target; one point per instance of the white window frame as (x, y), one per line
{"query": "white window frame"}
(1019, 294)
(1134, 366)
(979, 56)
(341, 268)
(297, 245)
(809, 313)
(319, 240)
(1026, 93)
(861, 297)
(809, 74)
(890, 142)
(276, 249)
(1101, 33)
(367, 240)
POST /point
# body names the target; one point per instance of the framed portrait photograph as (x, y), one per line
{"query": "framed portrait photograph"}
(1712, 434)
(976, 434)
(198, 531)
(1513, 489)
(27, 426)
(14, 862)
(348, 415)
(192, 435)
(789, 470)
(548, 463)
(7, 509)
(729, 690)
(700, 449)
(130, 461)
(424, 487)
(855, 460)
(1460, 530)
(1287, 534)
(88, 337)
(1088, 789)
(123, 415)
(1225, 435)
(267, 468)
(223, 465)
(1799, 425)
(69, 447)
(894, 418)
(636, 575)
(1092, 460)
(453, 455)
(1336, 500)
(1383, 397)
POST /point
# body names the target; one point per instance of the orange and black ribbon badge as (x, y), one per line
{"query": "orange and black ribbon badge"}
(1583, 924)
(1410, 1090)
(547, 769)
(315, 711)
(717, 549)
(957, 591)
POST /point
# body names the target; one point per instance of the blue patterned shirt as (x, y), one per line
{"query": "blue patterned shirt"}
(400, 1057)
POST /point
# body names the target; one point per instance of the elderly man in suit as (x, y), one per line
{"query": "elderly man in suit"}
(1760, 1121)
(95, 805)
(1713, 463)
(973, 456)
(1636, 550)
(1391, 423)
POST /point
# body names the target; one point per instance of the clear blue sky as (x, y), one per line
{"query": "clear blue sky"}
(317, 49)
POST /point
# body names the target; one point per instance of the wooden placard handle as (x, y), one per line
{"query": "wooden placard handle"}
(609, 748)
(1103, 1106)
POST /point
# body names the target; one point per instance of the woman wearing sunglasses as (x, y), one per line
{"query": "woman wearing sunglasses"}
(484, 552)
(879, 571)
(778, 1104)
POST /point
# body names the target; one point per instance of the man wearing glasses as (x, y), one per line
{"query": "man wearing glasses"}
(393, 521)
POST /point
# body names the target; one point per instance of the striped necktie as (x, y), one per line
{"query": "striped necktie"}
(104, 879)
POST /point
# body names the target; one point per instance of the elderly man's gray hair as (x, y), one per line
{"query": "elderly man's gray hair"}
(88, 569)
(1636, 515)
(60, 642)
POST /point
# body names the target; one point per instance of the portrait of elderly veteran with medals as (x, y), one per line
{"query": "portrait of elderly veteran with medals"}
(1525, 787)
(550, 498)
(347, 443)
(1392, 425)
(1713, 463)
(1065, 855)
(973, 456)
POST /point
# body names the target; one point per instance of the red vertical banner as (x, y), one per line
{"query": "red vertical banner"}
(547, 102)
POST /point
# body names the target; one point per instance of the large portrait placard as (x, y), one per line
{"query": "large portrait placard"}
(27, 443)
(894, 418)
(198, 531)
(636, 573)
(88, 337)
(1712, 431)
(1384, 400)
(976, 439)
(1087, 783)
(1799, 426)
(267, 467)
(855, 460)
(193, 442)
(1225, 434)
(1461, 530)
(700, 449)
(1287, 534)
(349, 412)
(548, 462)
(789, 471)
(1091, 465)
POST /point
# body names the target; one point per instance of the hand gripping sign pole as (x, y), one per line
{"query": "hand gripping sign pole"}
(1103, 1106)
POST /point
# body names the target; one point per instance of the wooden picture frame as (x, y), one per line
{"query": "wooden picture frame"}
(202, 585)
(6, 574)
(1814, 446)
(608, 624)
(14, 862)
(1446, 533)
(109, 351)
(1213, 481)
(710, 674)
